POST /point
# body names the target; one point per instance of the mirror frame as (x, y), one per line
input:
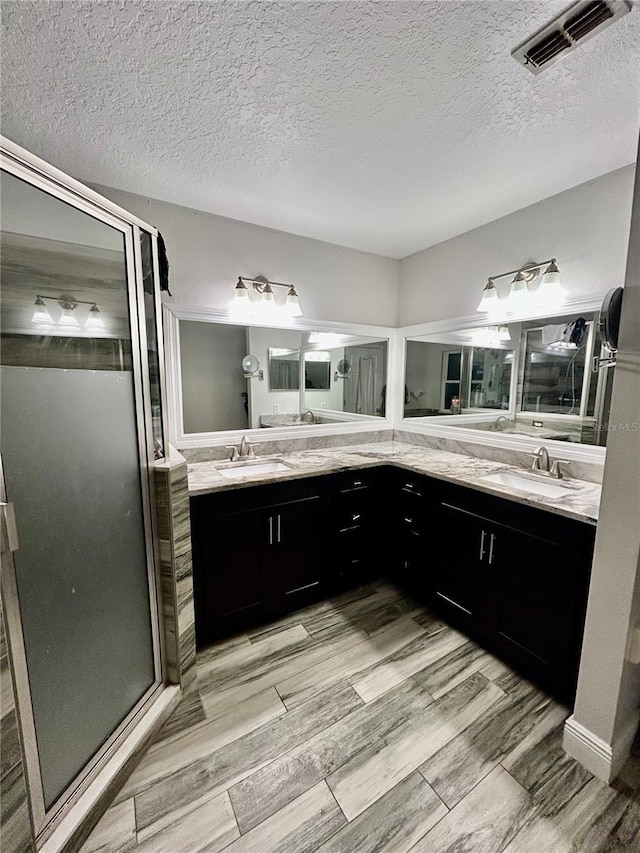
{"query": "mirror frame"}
(581, 452)
(356, 423)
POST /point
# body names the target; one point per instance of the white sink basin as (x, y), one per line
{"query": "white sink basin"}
(248, 469)
(527, 484)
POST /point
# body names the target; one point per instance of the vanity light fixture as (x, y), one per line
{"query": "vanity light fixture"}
(548, 295)
(68, 319)
(264, 303)
(327, 339)
(491, 336)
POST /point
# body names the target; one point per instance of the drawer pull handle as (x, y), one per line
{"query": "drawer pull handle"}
(481, 555)
(409, 486)
(492, 539)
(408, 520)
(356, 516)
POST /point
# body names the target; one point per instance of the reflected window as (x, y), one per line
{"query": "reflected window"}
(284, 369)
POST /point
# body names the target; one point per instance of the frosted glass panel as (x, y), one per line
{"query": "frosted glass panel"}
(71, 463)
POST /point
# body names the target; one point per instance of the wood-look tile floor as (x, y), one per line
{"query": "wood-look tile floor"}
(364, 724)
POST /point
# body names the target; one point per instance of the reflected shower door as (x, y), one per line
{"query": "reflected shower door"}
(75, 468)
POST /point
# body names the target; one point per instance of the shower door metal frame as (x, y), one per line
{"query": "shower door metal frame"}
(35, 172)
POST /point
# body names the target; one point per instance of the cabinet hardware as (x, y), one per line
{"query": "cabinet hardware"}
(408, 520)
(356, 516)
(9, 530)
(270, 530)
(491, 541)
(408, 485)
(279, 530)
(481, 555)
(357, 482)
(455, 603)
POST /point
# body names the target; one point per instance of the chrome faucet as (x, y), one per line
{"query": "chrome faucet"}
(543, 465)
(308, 417)
(496, 426)
(541, 460)
(246, 450)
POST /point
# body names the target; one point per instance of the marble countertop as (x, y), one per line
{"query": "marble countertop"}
(580, 502)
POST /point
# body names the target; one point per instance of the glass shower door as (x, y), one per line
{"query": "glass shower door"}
(75, 459)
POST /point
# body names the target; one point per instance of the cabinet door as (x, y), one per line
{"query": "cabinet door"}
(458, 578)
(535, 601)
(298, 553)
(233, 579)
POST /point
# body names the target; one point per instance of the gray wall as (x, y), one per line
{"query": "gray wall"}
(585, 228)
(207, 254)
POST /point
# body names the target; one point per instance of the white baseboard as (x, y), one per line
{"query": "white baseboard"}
(602, 759)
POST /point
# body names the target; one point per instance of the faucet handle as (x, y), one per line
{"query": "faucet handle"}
(251, 447)
(234, 451)
(555, 467)
(537, 455)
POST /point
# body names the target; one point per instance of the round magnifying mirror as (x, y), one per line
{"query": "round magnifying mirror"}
(610, 319)
(344, 367)
(250, 363)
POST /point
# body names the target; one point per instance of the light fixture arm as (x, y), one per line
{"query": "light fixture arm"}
(522, 269)
(260, 282)
(65, 301)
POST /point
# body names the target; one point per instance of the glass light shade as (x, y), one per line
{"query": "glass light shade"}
(503, 333)
(292, 304)
(490, 299)
(518, 297)
(240, 305)
(267, 306)
(68, 319)
(40, 312)
(551, 292)
(240, 294)
(94, 319)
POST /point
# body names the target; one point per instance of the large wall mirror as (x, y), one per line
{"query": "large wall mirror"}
(543, 378)
(237, 377)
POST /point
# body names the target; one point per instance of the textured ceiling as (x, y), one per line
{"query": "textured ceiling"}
(384, 126)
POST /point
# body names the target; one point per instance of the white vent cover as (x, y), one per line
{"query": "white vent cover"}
(568, 31)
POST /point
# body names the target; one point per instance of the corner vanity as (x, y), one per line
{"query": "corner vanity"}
(473, 539)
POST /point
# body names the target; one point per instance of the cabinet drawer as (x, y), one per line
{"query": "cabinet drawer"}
(310, 489)
(411, 523)
(355, 482)
(411, 487)
(357, 516)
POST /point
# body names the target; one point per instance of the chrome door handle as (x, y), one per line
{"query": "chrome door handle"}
(481, 555)
(8, 531)
(491, 541)
(270, 530)
(279, 539)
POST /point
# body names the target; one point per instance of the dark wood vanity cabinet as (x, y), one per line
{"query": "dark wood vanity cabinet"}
(258, 552)
(514, 577)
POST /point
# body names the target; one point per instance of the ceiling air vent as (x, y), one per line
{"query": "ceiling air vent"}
(568, 31)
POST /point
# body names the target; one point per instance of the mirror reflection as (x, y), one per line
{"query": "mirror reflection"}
(304, 377)
(284, 369)
(539, 378)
